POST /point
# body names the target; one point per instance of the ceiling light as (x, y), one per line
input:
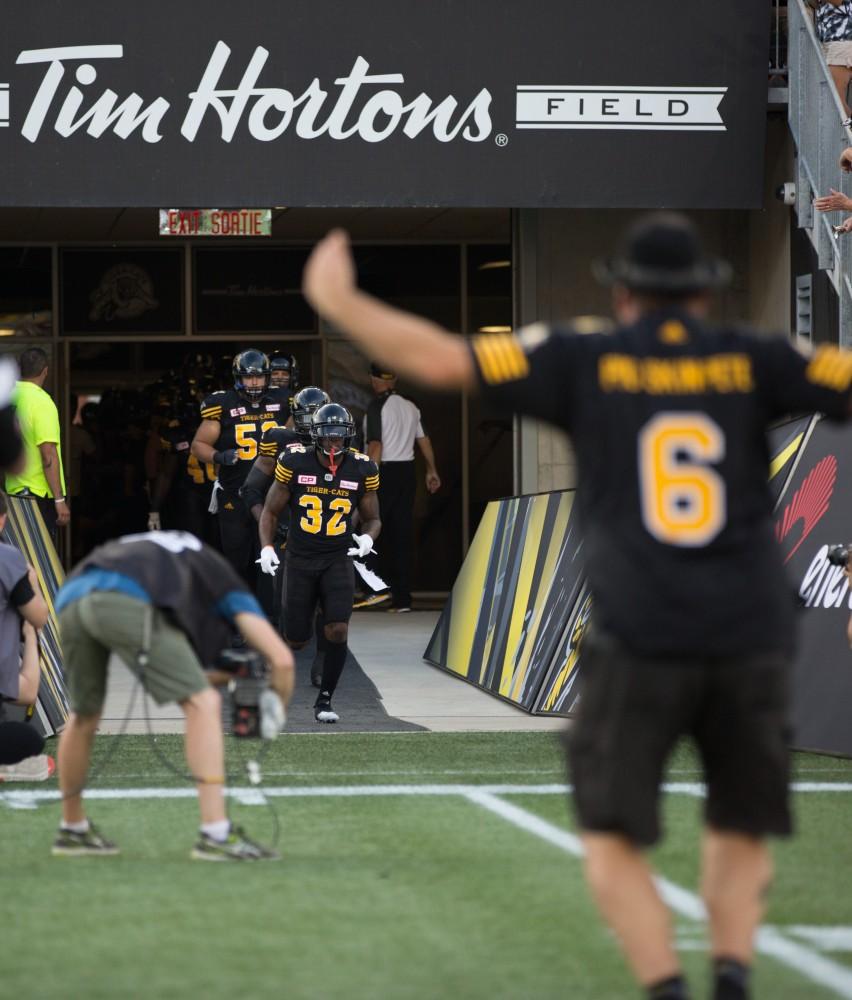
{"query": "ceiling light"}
(494, 265)
(494, 329)
(6, 331)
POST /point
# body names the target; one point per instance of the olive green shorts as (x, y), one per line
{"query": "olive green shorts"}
(104, 622)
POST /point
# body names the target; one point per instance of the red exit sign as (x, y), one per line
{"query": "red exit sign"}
(215, 222)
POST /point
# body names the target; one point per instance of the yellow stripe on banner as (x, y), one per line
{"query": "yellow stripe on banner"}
(467, 593)
(782, 458)
(554, 544)
(513, 677)
(499, 564)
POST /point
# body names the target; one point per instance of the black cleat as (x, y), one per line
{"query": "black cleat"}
(323, 712)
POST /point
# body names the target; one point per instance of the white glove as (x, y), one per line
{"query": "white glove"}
(363, 546)
(268, 560)
(154, 520)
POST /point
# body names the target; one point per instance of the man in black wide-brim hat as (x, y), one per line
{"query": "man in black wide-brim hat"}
(693, 618)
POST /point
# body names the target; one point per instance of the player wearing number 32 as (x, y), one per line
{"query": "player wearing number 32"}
(323, 485)
(693, 614)
(233, 423)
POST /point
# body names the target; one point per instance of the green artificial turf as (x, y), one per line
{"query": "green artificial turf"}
(376, 897)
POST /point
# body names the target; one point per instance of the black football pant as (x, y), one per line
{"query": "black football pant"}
(397, 487)
(241, 546)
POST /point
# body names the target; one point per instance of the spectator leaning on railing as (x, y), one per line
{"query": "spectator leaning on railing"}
(836, 202)
(833, 20)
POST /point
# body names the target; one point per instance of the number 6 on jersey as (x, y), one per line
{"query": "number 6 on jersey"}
(683, 499)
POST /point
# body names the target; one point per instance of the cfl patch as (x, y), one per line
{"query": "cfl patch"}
(307, 480)
(273, 407)
(181, 445)
(347, 485)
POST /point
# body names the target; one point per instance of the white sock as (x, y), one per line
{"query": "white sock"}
(81, 827)
(218, 830)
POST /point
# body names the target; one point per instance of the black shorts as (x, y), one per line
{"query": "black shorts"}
(633, 710)
(329, 582)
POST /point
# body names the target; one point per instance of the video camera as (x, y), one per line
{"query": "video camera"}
(249, 679)
(838, 555)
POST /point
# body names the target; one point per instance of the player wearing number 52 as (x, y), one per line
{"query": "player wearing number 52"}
(232, 425)
(322, 483)
(693, 615)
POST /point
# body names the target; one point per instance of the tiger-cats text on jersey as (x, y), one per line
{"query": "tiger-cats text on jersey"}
(242, 426)
(322, 503)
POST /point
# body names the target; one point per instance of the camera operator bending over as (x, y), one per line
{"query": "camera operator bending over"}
(167, 604)
(322, 485)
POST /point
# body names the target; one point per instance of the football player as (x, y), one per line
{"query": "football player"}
(181, 474)
(232, 425)
(323, 485)
(283, 371)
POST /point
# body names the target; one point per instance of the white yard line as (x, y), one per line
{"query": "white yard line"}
(23, 796)
(770, 941)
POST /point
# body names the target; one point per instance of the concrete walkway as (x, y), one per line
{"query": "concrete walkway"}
(390, 651)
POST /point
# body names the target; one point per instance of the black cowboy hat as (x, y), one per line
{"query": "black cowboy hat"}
(663, 253)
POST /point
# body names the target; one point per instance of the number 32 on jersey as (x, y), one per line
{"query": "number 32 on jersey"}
(683, 499)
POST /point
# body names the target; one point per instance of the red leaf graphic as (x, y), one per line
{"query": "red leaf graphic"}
(809, 503)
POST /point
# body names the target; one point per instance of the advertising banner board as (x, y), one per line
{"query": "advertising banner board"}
(382, 103)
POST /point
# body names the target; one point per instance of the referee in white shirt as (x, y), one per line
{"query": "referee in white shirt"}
(391, 428)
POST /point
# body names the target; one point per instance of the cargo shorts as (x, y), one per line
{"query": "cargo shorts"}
(103, 622)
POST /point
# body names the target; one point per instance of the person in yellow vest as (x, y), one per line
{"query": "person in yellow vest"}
(42, 477)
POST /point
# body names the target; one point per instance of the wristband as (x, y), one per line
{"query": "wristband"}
(59, 499)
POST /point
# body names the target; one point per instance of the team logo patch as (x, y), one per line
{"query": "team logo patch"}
(347, 485)
(238, 411)
(308, 480)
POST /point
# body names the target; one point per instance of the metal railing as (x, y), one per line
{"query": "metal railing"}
(778, 44)
(815, 115)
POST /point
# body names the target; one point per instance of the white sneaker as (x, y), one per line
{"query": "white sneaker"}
(38, 768)
(272, 715)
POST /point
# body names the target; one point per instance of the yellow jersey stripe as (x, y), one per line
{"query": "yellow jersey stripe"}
(500, 357)
(212, 414)
(283, 475)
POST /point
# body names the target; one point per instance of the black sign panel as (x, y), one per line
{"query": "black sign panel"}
(382, 102)
(814, 514)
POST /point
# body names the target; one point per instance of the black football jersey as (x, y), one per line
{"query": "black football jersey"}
(668, 420)
(276, 439)
(243, 425)
(176, 439)
(322, 503)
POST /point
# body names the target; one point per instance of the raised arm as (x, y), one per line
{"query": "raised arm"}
(410, 345)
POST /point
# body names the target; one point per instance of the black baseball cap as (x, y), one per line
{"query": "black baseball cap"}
(377, 371)
(663, 253)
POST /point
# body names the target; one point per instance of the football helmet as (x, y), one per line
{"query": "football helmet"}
(305, 403)
(332, 429)
(284, 371)
(250, 362)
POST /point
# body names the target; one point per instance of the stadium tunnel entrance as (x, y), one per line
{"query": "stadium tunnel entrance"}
(127, 316)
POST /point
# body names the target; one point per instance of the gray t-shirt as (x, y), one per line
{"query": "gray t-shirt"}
(13, 567)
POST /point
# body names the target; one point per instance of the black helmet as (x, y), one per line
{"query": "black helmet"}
(305, 403)
(332, 429)
(250, 362)
(281, 362)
